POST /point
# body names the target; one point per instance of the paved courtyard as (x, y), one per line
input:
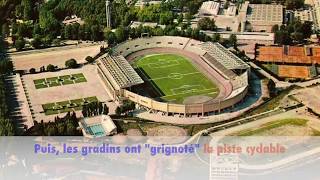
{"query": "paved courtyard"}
(28, 60)
(38, 97)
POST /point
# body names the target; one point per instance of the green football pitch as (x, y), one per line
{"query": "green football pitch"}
(174, 77)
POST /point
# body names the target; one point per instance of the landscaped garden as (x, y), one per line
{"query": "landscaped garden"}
(66, 106)
(59, 81)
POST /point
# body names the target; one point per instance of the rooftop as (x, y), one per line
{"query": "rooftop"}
(265, 13)
(209, 8)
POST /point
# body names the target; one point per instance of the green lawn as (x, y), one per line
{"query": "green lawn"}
(271, 125)
(39, 81)
(174, 77)
(59, 81)
(91, 99)
(40, 86)
(66, 106)
(79, 75)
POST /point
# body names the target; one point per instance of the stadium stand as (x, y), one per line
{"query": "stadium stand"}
(224, 56)
(117, 73)
(218, 66)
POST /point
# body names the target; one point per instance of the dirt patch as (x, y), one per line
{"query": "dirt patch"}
(167, 135)
(166, 131)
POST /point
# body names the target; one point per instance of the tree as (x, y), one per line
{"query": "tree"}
(189, 18)
(6, 127)
(180, 18)
(56, 42)
(67, 32)
(71, 63)
(75, 31)
(49, 23)
(207, 24)
(166, 18)
(297, 36)
(226, 5)
(120, 34)
(36, 30)
(89, 59)
(5, 30)
(19, 44)
(118, 111)
(42, 69)
(24, 30)
(27, 10)
(70, 129)
(110, 37)
(36, 42)
(105, 109)
(61, 128)
(51, 68)
(32, 71)
(216, 37)
(233, 40)
(47, 40)
(51, 129)
(6, 66)
(294, 4)
(272, 88)
(282, 37)
(275, 28)
(95, 32)
(307, 29)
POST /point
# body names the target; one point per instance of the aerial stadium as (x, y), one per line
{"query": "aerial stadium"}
(174, 75)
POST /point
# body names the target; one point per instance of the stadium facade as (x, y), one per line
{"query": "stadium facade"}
(228, 71)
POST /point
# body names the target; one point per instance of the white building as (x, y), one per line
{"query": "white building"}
(209, 8)
(304, 15)
(316, 11)
(97, 126)
(142, 3)
(136, 24)
(72, 20)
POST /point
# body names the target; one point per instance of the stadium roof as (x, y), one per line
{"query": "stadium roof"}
(120, 71)
(224, 56)
(289, 54)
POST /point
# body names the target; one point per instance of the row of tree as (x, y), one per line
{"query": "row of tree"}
(6, 125)
(122, 34)
(66, 126)
(125, 108)
(293, 33)
(47, 19)
(95, 109)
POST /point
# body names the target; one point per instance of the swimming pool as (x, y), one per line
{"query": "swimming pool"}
(96, 130)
